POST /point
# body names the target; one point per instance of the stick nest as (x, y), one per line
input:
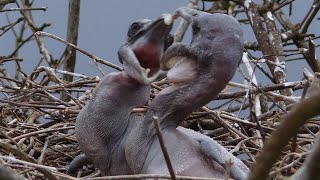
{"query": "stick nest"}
(37, 127)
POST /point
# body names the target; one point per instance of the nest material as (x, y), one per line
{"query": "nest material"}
(38, 141)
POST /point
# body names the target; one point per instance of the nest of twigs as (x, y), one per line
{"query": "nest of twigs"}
(38, 141)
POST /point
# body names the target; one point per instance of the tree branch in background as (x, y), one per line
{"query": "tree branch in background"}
(183, 26)
(292, 32)
(27, 15)
(69, 62)
(5, 2)
(289, 127)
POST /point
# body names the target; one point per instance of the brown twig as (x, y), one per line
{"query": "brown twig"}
(164, 149)
(307, 109)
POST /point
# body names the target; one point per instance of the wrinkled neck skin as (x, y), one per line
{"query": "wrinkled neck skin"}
(102, 124)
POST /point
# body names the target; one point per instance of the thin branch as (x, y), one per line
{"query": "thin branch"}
(95, 58)
(24, 9)
(164, 149)
(288, 127)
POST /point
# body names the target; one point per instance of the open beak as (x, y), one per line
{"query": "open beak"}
(148, 46)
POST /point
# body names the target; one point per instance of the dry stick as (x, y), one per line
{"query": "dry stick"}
(237, 147)
(276, 49)
(75, 100)
(279, 97)
(310, 168)
(264, 72)
(282, 5)
(10, 79)
(270, 47)
(288, 127)
(64, 176)
(54, 99)
(266, 94)
(5, 2)
(52, 71)
(44, 151)
(311, 53)
(25, 9)
(260, 133)
(13, 30)
(10, 138)
(315, 8)
(3, 60)
(21, 44)
(28, 17)
(42, 131)
(288, 166)
(29, 163)
(294, 85)
(163, 148)
(30, 105)
(216, 117)
(256, 99)
(11, 26)
(296, 37)
(72, 37)
(244, 122)
(26, 157)
(95, 58)
(183, 26)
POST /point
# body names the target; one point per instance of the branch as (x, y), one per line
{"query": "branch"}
(24, 9)
(183, 26)
(95, 58)
(288, 127)
(69, 62)
(5, 2)
(163, 148)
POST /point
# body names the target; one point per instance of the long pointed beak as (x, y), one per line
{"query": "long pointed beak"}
(146, 48)
(158, 30)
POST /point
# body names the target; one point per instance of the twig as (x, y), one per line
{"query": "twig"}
(307, 109)
(183, 26)
(42, 131)
(164, 149)
(72, 37)
(311, 16)
(11, 26)
(26, 157)
(5, 2)
(295, 85)
(95, 58)
(25, 9)
(29, 163)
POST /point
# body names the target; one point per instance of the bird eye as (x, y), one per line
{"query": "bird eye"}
(135, 27)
